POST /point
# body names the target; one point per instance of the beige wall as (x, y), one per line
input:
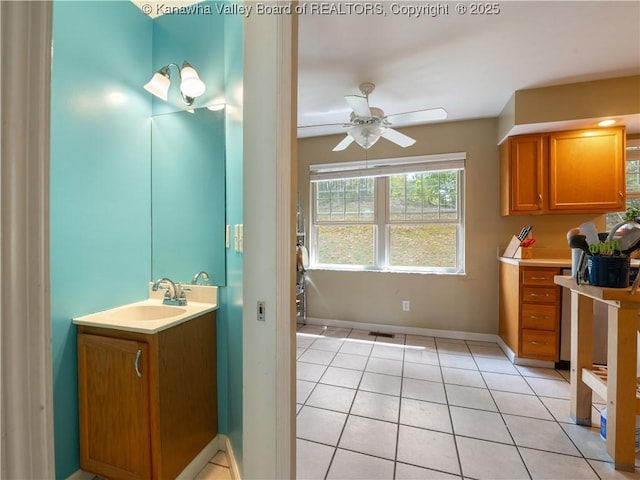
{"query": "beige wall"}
(451, 302)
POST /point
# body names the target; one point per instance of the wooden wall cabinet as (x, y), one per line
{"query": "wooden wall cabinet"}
(529, 311)
(147, 402)
(572, 172)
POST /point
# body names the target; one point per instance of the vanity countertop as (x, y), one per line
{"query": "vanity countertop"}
(117, 318)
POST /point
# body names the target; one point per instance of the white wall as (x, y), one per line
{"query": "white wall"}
(268, 266)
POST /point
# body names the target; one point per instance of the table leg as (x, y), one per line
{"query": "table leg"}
(621, 385)
(581, 357)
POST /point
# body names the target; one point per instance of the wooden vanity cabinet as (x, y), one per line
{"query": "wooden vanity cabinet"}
(147, 402)
(529, 311)
(578, 171)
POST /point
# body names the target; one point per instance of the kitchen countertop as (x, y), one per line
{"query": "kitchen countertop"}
(537, 262)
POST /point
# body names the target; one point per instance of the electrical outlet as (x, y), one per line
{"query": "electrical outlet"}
(406, 305)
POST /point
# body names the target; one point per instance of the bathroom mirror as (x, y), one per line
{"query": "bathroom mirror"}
(188, 195)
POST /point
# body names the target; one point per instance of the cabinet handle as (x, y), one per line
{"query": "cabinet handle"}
(538, 317)
(539, 343)
(620, 194)
(136, 363)
(539, 199)
(538, 294)
(539, 278)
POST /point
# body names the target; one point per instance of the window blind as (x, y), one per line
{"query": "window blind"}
(387, 166)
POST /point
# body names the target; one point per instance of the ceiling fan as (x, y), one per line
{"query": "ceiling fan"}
(367, 124)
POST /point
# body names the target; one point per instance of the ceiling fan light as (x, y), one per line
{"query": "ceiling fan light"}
(366, 135)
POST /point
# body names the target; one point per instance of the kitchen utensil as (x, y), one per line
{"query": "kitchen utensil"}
(589, 230)
(581, 271)
(524, 232)
(579, 241)
(630, 240)
(527, 242)
(521, 234)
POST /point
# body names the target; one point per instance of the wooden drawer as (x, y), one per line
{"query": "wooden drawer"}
(539, 317)
(540, 294)
(539, 277)
(540, 345)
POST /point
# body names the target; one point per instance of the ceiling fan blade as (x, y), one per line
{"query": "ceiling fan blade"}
(344, 143)
(317, 130)
(398, 138)
(359, 105)
(418, 116)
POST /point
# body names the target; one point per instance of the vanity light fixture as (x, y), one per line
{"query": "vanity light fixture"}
(190, 84)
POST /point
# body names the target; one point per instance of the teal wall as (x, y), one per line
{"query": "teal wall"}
(100, 189)
(232, 293)
(100, 180)
(198, 39)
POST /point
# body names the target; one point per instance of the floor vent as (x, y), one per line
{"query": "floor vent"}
(381, 334)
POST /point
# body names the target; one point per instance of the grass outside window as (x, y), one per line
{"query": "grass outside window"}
(399, 222)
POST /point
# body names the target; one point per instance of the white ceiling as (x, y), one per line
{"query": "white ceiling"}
(468, 64)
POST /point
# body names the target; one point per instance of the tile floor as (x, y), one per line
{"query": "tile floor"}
(414, 407)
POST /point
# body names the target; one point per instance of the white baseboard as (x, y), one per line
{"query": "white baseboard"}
(192, 470)
(80, 475)
(233, 465)
(429, 332)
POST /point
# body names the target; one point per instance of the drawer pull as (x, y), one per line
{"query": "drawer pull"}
(539, 278)
(136, 363)
(539, 343)
(539, 317)
(539, 295)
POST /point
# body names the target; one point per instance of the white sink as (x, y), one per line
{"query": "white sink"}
(148, 316)
(144, 312)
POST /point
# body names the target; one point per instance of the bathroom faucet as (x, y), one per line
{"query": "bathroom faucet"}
(174, 294)
(203, 274)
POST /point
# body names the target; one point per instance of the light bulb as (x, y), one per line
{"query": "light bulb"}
(191, 85)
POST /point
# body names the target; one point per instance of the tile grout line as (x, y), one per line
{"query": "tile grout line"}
(444, 384)
(515, 446)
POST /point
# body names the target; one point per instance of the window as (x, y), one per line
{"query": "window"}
(390, 215)
(633, 185)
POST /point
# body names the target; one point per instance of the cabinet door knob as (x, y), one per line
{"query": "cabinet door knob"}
(136, 363)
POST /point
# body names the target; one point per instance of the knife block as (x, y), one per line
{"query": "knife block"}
(515, 250)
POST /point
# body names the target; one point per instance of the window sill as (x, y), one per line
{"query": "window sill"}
(391, 271)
